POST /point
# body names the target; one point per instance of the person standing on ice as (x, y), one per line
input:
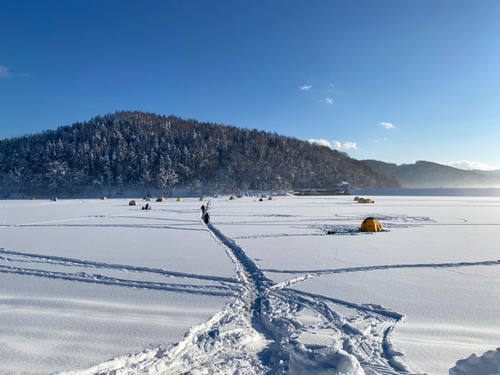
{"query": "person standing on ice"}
(203, 208)
(207, 218)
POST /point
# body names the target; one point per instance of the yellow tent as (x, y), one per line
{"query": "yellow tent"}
(371, 225)
(270, 199)
(231, 198)
(263, 196)
(368, 201)
(202, 199)
(179, 199)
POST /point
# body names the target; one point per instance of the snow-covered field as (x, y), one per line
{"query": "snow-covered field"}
(90, 286)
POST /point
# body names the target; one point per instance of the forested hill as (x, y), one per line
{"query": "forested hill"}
(140, 150)
(424, 174)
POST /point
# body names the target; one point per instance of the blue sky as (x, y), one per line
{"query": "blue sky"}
(337, 71)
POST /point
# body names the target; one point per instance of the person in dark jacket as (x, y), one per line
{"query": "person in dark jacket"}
(203, 208)
(207, 218)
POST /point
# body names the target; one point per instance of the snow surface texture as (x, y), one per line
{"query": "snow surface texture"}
(487, 364)
(300, 301)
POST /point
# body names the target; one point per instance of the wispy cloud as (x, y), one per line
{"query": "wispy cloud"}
(468, 165)
(329, 100)
(321, 142)
(4, 72)
(387, 125)
(305, 87)
(344, 146)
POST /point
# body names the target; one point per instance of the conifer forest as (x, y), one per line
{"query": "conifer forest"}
(140, 151)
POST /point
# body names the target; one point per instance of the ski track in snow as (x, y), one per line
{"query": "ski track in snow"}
(101, 279)
(120, 267)
(386, 267)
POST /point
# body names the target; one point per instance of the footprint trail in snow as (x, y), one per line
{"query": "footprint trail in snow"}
(269, 329)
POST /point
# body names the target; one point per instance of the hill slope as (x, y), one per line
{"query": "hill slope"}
(144, 150)
(424, 174)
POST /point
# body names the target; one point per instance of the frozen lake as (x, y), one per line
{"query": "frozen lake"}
(90, 286)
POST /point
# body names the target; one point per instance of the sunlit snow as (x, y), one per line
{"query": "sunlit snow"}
(89, 286)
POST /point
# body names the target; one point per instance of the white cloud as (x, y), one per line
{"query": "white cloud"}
(4, 72)
(321, 142)
(349, 145)
(387, 125)
(334, 144)
(329, 101)
(344, 146)
(468, 165)
(305, 87)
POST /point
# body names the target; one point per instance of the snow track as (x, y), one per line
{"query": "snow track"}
(101, 279)
(312, 273)
(48, 259)
(271, 329)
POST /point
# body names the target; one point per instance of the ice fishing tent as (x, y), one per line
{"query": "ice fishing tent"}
(270, 199)
(263, 196)
(361, 200)
(239, 196)
(371, 225)
(33, 199)
(356, 199)
(231, 198)
(160, 199)
(103, 198)
(132, 203)
(216, 196)
(261, 200)
(179, 199)
(146, 199)
(55, 199)
(368, 201)
(202, 199)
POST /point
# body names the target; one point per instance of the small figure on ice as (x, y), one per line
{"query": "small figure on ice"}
(206, 218)
(203, 208)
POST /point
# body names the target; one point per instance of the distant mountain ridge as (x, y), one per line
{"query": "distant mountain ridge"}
(425, 174)
(144, 151)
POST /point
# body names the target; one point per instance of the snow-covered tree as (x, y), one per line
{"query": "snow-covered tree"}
(166, 180)
(55, 173)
